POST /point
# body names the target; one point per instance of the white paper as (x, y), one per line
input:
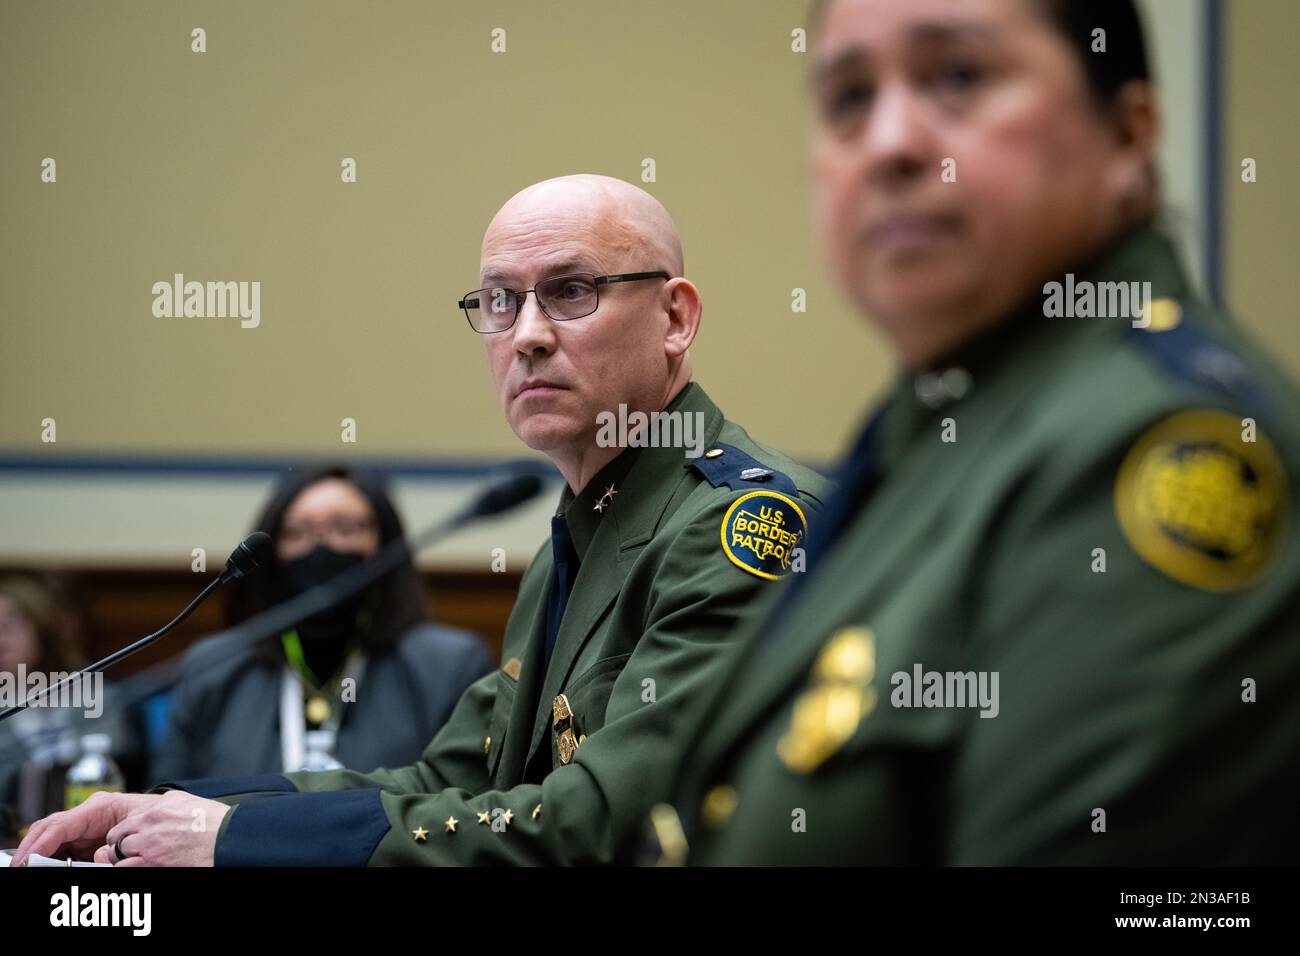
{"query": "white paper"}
(6, 856)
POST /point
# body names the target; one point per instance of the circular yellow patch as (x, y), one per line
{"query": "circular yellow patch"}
(1201, 502)
(761, 531)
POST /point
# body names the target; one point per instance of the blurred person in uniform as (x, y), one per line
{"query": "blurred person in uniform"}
(1052, 615)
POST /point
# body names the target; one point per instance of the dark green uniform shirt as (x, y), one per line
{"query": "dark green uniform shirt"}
(1056, 620)
(559, 761)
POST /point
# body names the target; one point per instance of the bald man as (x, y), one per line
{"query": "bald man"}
(674, 528)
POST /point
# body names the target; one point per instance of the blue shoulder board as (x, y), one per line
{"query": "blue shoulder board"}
(764, 527)
(1184, 344)
(728, 465)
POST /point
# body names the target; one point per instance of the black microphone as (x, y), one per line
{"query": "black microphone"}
(501, 496)
(252, 552)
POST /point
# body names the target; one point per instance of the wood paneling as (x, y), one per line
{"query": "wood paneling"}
(113, 607)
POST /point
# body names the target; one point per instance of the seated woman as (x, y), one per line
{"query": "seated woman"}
(373, 671)
(38, 635)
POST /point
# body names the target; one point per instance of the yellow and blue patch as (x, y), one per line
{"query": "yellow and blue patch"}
(761, 531)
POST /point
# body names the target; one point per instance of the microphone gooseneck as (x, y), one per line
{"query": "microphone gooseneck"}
(257, 550)
(251, 553)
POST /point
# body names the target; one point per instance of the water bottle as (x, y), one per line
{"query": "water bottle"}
(95, 770)
(319, 746)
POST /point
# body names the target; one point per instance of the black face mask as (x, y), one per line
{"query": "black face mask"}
(321, 565)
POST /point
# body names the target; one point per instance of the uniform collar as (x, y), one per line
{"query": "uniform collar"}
(1141, 255)
(633, 489)
(646, 479)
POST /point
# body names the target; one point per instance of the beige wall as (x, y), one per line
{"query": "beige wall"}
(1262, 219)
(225, 166)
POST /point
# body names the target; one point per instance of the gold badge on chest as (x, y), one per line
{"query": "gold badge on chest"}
(838, 698)
(566, 738)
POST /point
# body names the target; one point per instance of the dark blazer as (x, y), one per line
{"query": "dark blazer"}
(225, 710)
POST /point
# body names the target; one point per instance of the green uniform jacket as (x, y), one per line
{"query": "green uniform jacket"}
(659, 593)
(1076, 507)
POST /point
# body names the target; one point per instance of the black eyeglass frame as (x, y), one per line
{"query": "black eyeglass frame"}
(597, 281)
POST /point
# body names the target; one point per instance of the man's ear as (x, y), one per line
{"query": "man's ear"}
(1135, 124)
(684, 308)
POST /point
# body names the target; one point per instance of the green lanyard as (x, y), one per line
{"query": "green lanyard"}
(317, 707)
(297, 660)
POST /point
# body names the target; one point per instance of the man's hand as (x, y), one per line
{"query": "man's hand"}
(169, 829)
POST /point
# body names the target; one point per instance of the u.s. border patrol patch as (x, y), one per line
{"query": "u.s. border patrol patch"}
(760, 532)
(1202, 503)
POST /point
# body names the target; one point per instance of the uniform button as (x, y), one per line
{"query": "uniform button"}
(935, 389)
(719, 805)
(1163, 315)
(929, 389)
(487, 744)
(667, 845)
(713, 453)
(956, 383)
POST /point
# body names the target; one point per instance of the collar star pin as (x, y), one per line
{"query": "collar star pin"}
(508, 816)
(537, 810)
(606, 500)
(450, 825)
(485, 817)
(420, 834)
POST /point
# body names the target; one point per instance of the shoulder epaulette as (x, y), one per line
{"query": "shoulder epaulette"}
(727, 465)
(764, 527)
(1182, 342)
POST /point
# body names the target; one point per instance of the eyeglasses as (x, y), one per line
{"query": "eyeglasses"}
(562, 298)
(341, 531)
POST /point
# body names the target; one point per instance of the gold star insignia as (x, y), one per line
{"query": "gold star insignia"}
(450, 825)
(508, 816)
(420, 834)
(485, 817)
(537, 811)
